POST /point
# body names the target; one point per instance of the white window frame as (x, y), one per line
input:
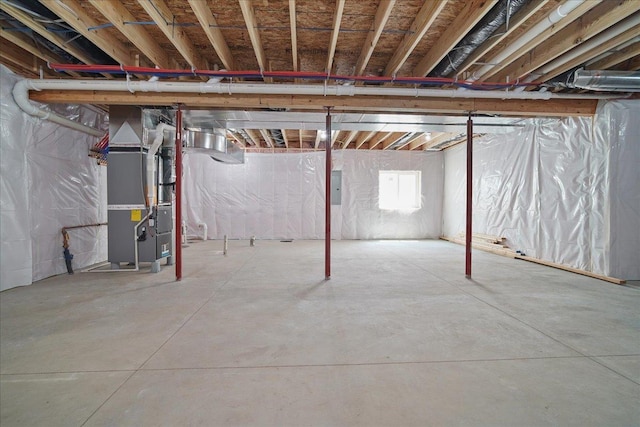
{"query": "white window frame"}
(392, 201)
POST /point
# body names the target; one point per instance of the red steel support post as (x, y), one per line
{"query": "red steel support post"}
(467, 270)
(178, 189)
(327, 228)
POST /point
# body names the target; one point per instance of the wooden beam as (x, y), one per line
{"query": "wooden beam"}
(349, 138)
(318, 139)
(519, 18)
(363, 137)
(430, 141)
(254, 35)
(632, 64)
(21, 58)
(284, 136)
(535, 41)
(18, 69)
(28, 45)
(392, 139)
(472, 12)
(74, 15)
(294, 37)
(38, 28)
(454, 140)
(165, 20)
(423, 21)
(267, 137)
(253, 135)
(593, 22)
(508, 107)
(300, 137)
(379, 21)
(616, 57)
(337, 20)
(210, 27)
(236, 138)
(377, 139)
(571, 269)
(424, 135)
(118, 14)
(334, 137)
(596, 51)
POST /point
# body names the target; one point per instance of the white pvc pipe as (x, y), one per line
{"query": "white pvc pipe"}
(151, 164)
(285, 89)
(21, 92)
(562, 11)
(593, 42)
(21, 97)
(204, 228)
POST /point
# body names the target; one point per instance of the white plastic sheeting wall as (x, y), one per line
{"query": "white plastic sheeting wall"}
(47, 181)
(282, 196)
(551, 187)
(617, 122)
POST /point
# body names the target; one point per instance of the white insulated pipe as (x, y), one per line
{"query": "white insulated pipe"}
(22, 88)
(151, 164)
(560, 12)
(204, 228)
(21, 97)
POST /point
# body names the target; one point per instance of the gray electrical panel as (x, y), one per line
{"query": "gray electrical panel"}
(137, 221)
(336, 187)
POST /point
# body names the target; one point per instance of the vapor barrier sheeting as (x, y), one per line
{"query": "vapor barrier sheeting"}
(282, 196)
(547, 188)
(47, 181)
(617, 122)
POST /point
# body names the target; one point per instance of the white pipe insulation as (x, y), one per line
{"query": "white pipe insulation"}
(562, 11)
(22, 88)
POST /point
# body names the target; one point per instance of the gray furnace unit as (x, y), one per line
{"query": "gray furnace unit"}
(140, 180)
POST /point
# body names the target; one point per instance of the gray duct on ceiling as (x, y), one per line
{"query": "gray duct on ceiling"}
(484, 29)
(277, 136)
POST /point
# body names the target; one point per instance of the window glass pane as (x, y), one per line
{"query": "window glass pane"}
(388, 190)
(407, 191)
(399, 190)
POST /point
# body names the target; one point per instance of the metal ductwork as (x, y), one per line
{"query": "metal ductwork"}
(615, 81)
(277, 136)
(484, 29)
(214, 144)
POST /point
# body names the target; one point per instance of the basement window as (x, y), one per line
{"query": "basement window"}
(399, 190)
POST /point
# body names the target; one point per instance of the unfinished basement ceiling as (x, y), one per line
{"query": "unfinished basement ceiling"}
(501, 45)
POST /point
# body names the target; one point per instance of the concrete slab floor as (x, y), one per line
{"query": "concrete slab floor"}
(397, 337)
